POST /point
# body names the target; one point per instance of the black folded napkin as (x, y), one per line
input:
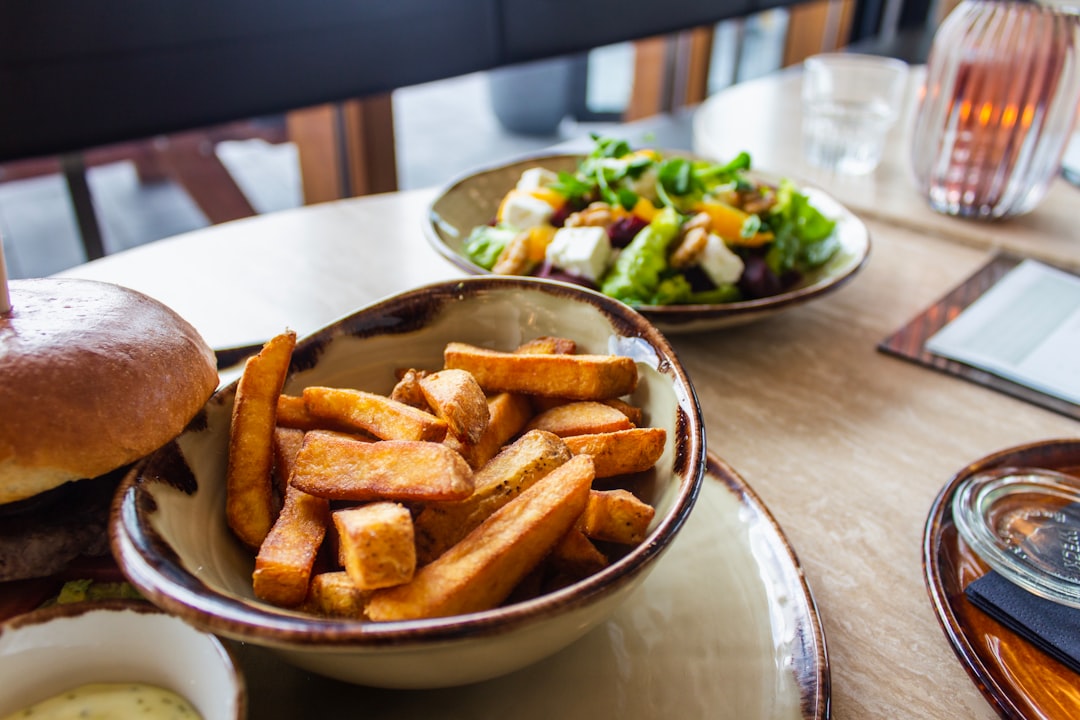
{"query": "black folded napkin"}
(1049, 626)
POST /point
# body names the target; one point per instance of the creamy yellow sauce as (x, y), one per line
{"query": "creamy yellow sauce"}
(111, 701)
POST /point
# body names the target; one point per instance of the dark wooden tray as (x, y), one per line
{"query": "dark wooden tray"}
(1017, 678)
(909, 342)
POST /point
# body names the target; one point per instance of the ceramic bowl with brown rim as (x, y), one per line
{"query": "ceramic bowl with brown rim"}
(50, 652)
(169, 525)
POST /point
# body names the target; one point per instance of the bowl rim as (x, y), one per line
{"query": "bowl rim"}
(672, 314)
(160, 576)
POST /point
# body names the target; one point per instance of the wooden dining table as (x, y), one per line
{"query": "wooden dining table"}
(847, 446)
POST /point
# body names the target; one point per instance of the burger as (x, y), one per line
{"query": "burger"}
(93, 376)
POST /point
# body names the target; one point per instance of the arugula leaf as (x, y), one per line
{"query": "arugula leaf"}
(609, 195)
(571, 187)
(627, 198)
(637, 166)
(677, 185)
(726, 172)
(607, 147)
(676, 176)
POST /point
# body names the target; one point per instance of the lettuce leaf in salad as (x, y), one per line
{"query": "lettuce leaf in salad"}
(486, 242)
(804, 237)
(675, 289)
(636, 274)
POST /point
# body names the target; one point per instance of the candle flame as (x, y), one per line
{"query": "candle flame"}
(1008, 116)
(1028, 118)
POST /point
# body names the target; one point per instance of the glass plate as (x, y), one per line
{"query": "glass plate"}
(1025, 523)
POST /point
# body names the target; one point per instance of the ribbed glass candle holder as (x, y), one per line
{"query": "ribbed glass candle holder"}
(998, 107)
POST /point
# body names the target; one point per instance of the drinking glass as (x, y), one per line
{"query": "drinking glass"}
(997, 108)
(850, 101)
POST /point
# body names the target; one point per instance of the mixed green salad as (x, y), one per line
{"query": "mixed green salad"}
(652, 230)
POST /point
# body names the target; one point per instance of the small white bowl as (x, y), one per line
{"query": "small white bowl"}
(171, 540)
(49, 651)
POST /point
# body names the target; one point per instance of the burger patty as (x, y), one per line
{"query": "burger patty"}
(41, 535)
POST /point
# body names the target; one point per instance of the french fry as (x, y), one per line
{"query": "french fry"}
(249, 504)
(455, 397)
(508, 474)
(575, 556)
(530, 586)
(285, 560)
(547, 344)
(407, 390)
(584, 417)
(479, 572)
(507, 415)
(377, 544)
(287, 443)
(292, 412)
(332, 594)
(616, 516)
(620, 452)
(575, 377)
(337, 467)
(632, 412)
(384, 418)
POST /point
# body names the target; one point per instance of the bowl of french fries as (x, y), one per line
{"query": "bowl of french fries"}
(441, 488)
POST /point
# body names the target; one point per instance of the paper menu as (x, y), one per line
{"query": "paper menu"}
(1026, 328)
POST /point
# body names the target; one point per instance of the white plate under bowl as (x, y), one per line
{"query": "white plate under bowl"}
(726, 628)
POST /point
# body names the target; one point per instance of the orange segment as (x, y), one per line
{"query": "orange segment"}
(727, 222)
(551, 197)
(538, 240)
(642, 209)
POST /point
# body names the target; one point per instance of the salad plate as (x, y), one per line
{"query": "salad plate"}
(477, 201)
(1017, 678)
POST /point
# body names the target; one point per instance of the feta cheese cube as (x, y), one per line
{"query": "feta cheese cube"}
(522, 211)
(582, 251)
(536, 178)
(719, 262)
